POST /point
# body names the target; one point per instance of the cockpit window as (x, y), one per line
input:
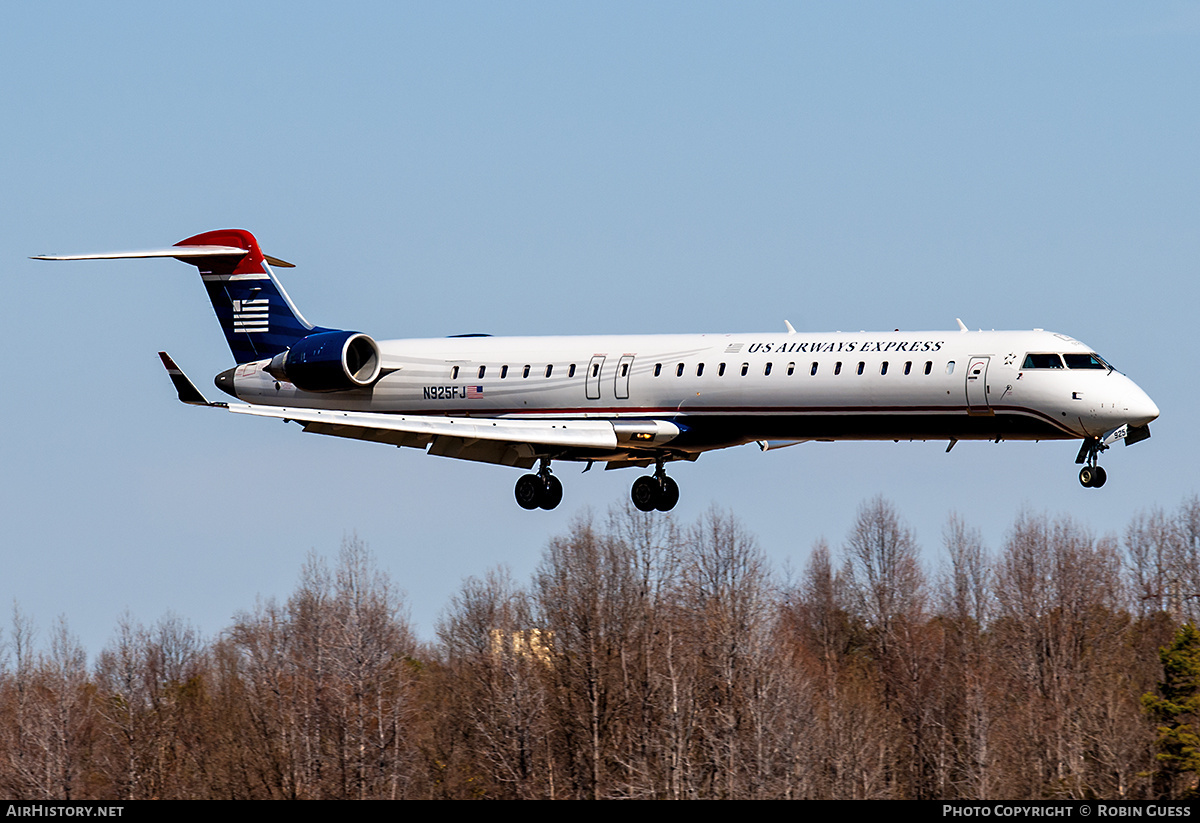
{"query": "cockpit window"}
(1084, 361)
(1042, 361)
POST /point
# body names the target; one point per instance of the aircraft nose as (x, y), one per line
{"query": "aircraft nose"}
(1140, 409)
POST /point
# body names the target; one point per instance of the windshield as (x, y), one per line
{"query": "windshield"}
(1085, 361)
(1050, 360)
(1042, 361)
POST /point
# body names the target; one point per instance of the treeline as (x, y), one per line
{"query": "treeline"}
(649, 659)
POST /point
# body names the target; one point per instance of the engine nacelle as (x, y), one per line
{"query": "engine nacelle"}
(328, 361)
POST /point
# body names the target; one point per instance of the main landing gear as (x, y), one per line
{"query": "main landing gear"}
(1091, 476)
(655, 492)
(542, 490)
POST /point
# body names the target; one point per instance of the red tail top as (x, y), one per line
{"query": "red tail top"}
(251, 263)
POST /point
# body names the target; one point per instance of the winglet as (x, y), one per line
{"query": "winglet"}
(188, 393)
(790, 328)
(961, 327)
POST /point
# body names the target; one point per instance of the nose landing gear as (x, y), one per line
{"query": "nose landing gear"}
(542, 490)
(655, 492)
(1091, 476)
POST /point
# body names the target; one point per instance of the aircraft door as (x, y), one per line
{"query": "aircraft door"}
(977, 399)
(592, 379)
(621, 378)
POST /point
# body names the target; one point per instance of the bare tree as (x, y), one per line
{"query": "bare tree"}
(582, 598)
(729, 594)
(966, 609)
(495, 661)
(888, 589)
(1061, 633)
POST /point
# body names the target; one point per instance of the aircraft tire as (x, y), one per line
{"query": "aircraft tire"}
(1087, 477)
(668, 495)
(1100, 477)
(529, 491)
(645, 494)
(552, 493)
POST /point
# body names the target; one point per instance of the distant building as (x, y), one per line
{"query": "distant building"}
(534, 644)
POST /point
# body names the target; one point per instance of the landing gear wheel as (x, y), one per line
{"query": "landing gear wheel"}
(645, 494)
(529, 491)
(668, 495)
(552, 492)
(1091, 476)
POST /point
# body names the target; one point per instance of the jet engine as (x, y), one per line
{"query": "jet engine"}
(328, 361)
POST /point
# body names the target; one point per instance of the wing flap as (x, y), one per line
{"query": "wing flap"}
(448, 436)
(391, 438)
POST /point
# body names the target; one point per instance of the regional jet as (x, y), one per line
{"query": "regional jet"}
(643, 401)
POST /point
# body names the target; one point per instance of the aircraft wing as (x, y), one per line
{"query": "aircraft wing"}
(508, 442)
(488, 440)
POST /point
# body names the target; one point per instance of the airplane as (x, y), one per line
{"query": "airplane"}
(647, 400)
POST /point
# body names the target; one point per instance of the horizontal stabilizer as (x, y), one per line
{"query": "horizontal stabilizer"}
(178, 252)
(173, 251)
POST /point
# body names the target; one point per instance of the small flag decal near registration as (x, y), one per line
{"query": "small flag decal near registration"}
(474, 392)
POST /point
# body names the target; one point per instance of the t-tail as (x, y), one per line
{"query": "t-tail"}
(257, 316)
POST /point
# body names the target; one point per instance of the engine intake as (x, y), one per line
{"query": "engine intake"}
(328, 361)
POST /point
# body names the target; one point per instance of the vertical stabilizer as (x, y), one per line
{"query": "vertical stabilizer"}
(255, 313)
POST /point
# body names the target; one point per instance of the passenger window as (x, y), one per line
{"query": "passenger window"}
(883, 367)
(624, 369)
(791, 369)
(570, 370)
(861, 366)
(928, 366)
(525, 373)
(767, 370)
(657, 369)
(679, 370)
(700, 370)
(745, 368)
(503, 372)
(950, 367)
(1084, 361)
(721, 370)
(549, 369)
(908, 367)
(482, 370)
(814, 369)
(1042, 361)
(595, 370)
(454, 373)
(837, 367)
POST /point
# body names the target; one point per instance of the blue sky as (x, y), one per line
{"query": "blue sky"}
(558, 168)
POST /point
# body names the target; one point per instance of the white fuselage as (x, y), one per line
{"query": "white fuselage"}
(728, 389)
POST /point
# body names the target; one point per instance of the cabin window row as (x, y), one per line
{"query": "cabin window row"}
(721, 369)
(525, 371)
(791, 368)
